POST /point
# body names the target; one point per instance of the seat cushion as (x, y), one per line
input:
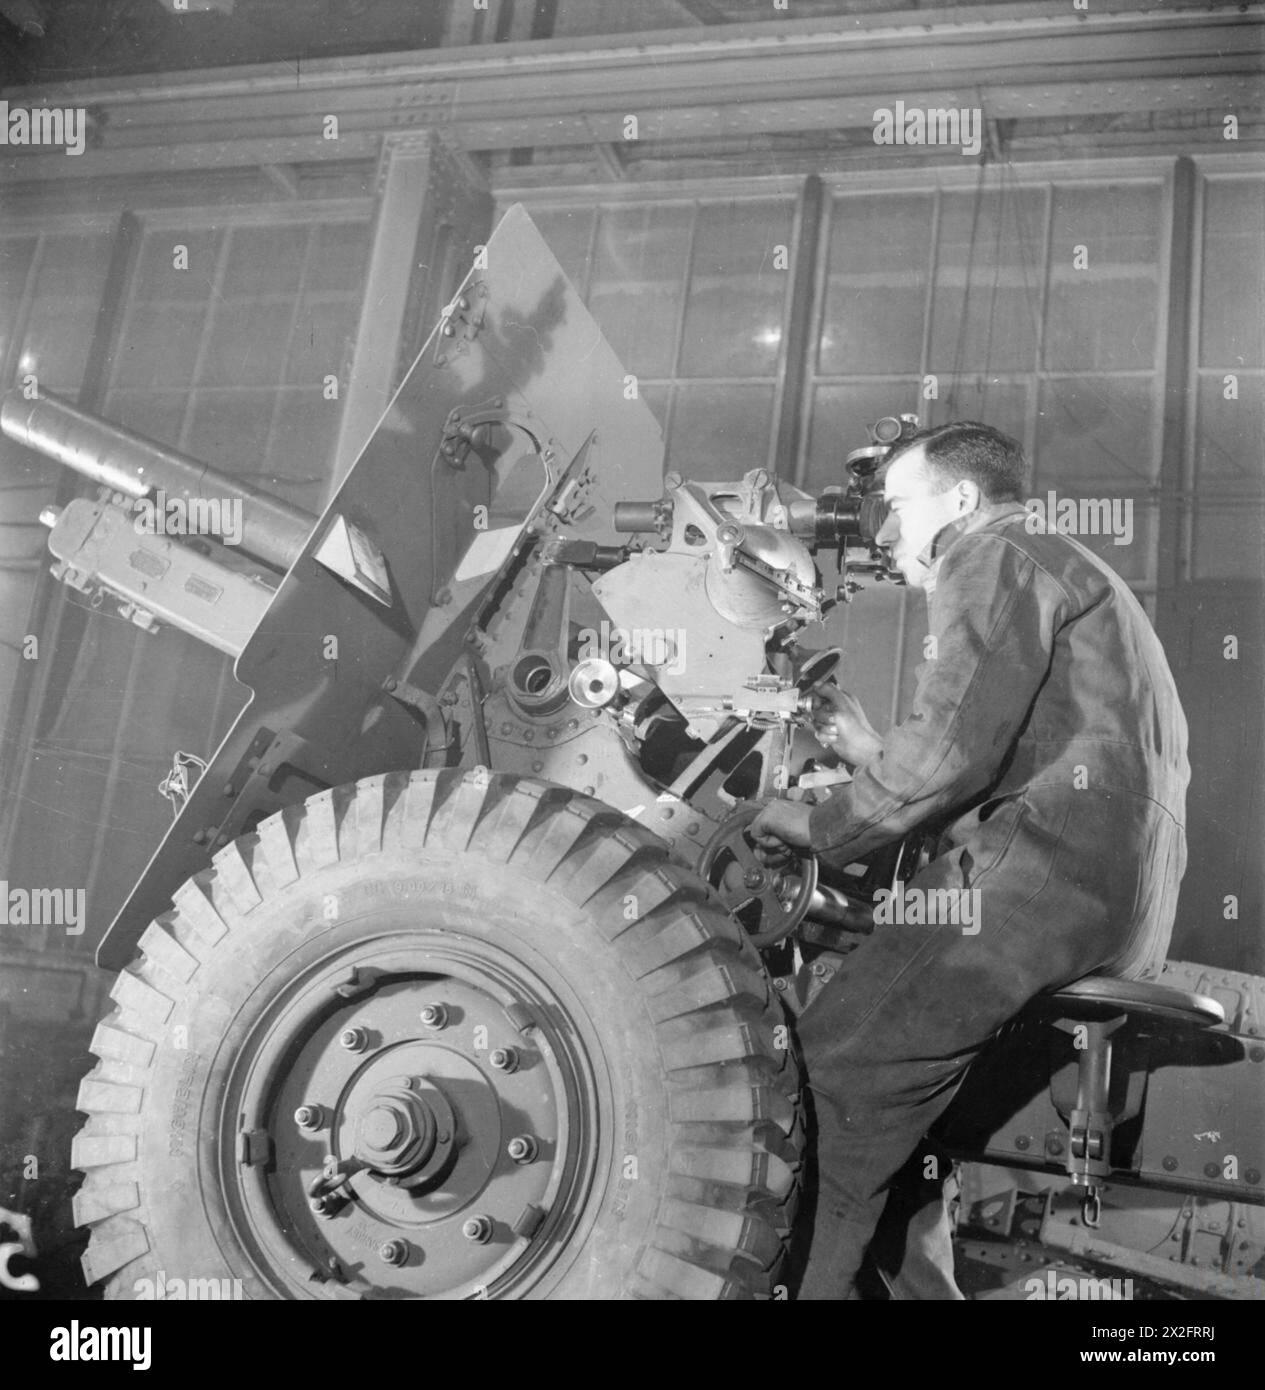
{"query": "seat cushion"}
(1102, 993)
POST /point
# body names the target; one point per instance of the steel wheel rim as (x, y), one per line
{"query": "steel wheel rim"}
(268, 1162)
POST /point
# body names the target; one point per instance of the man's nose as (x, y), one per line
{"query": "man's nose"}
(889, 531)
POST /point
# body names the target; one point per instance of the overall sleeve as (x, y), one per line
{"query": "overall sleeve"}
(994, 617)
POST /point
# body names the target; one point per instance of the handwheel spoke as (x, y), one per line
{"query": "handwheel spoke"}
(742, 876)
(744, 852)
(772, 908)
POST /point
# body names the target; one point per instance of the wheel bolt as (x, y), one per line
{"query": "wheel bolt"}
(393, 1252)
(353, 1039)
(522, 1149)
(478, 1229)
(309, 1117)
(504, 1059)
(434, 1016)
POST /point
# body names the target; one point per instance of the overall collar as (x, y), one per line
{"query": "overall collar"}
(982, 516)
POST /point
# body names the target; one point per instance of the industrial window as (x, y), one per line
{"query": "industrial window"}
(693, 297)
(1034, 308)
(1226, 448)
(51, 281)
(223, 341)
(227, 340)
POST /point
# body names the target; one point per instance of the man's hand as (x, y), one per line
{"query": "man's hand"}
(842, 723)
(782, 827)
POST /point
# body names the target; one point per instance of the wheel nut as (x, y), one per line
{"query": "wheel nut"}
(478, 1229)
(309, 1117)
(434, 1016)
(353, 1039)
(393, 1252)
(522, 1149)
(504, 1059)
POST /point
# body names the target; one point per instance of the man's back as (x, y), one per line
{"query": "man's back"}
(1097, 766)
(1107, 715)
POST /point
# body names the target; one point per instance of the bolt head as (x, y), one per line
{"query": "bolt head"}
(434, 1016)
(353, 1039)
(477, 1229)
(504, 1059)
(522, 1148)
(382, 1127)
(393, 1252)
(309, 1117)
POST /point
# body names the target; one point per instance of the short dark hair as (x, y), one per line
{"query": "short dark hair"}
(991, 460)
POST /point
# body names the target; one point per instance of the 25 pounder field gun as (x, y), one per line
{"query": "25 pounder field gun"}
(456, 975)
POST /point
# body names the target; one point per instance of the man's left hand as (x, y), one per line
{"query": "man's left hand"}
(780, 828)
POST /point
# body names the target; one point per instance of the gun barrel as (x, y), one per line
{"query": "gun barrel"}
(271, 530)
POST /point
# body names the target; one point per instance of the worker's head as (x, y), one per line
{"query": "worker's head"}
(942, 475)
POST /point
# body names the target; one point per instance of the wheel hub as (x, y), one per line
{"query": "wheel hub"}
(402, 1128)
(433, 1157)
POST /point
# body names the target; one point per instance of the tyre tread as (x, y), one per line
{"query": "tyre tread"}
(732, 1105)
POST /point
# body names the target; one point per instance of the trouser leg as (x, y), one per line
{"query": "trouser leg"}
(887, 1042)
(912, 1248)
(871, 1116)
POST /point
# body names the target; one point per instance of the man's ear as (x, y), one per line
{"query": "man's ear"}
(969, 496)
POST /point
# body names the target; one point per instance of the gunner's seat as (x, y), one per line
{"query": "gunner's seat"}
(1092, 1010)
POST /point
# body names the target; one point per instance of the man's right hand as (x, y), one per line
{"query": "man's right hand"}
(780, 830)
(842, 722)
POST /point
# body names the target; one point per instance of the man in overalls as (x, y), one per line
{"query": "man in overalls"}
(1046, 749)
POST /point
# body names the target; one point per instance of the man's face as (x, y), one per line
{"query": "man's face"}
(920, 508)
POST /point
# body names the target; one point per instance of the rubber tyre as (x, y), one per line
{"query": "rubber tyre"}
(666, 996)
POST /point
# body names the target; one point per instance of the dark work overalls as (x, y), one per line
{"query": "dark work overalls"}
(1047, 746)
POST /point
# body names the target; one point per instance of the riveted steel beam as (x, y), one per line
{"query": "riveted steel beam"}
(716, 82)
